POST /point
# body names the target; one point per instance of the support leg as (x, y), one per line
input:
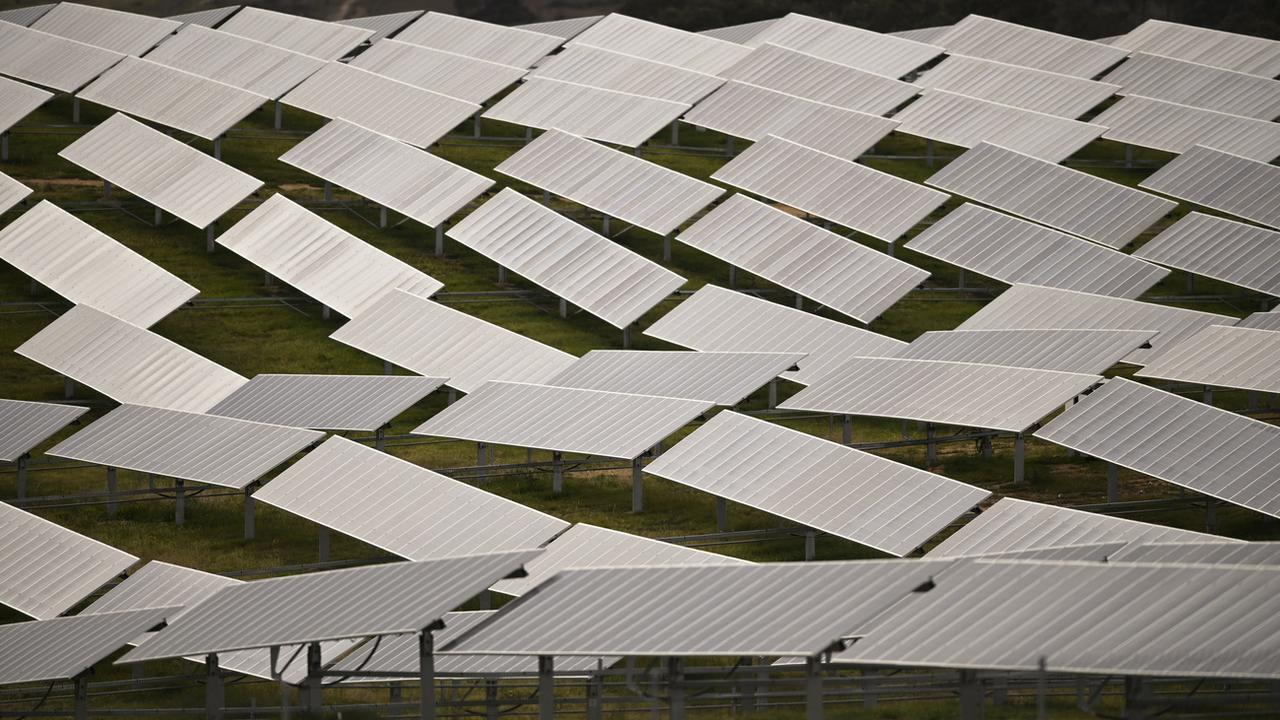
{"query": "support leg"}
(75, 111)
(626, 338)
(328, 191)
(106, 189)
(1128, 156)
(159, 217)
(595, 697)
(22, 477)
(322, 542)
(799, 301)
(930, 447)
(380, 439)
(557, 473)
(111, 493)
(475, 133)
(604, 225)
(813, 689)
(4, 146)
(217, 148)
(313, 685)
(928, 153)
(733, 276)
(1113, 483)
(82, 697)
(564, 308)
(491, 700)
(1019, 456)
(846, 430)
(637, 486)
(279, 120)
(546, 689)
(970, 696)
(675, 689)
(179, 502)
(502, 275)
(214, 701)
(382, 216)
(387, 368)
(482, 460)
(728, 147)
(68, 387)
(250, 519)
(1208, 395)
(773, 393)
(666, 247)
(722, 514)
(1210, 515)
(440, 240)
(810, 545)
(675, 133)
(426, 676)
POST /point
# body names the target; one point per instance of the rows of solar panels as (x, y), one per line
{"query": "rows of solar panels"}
(812, 97)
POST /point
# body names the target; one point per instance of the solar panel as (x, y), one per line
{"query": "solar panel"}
(1032, 307)
(563, 29)
(717, 377)
(321, 259)
(659, 43)
(603, 68)
(1007, 42)
(965, 121)
(479, 39)
(18, 100)
(383, 25)
(1022, 87)
(47, 569)
(24, 16)
(951, 393)
(326, 402)
(121, 32)
(402, 508)
(752, 112)
(185, 445)
(399, 654)
(863, 49)
(924, 34)
(1013, 524)
(172, 97)
(1234, 51)
(1176, 439)
(1223, 554)
(716, 319)
(1176, 128)
(1126, 620)
(127, 363)
(440, 71)
(596, 113)
(62, 648)
(1069, 200)
(633, 190)
(84, 265)
(1096, 552)
(872, 202)
(1190, 83)
(741, 33)
(325, 40)
(405, 112)
(390, 599)
(1222, 356)
(1016, 251)
(808, 76)
(434, 340)
(1081, 351)
(593, 422)
(12, 192)
(846, 276)
(796, 609)
(237, 61)
(1234, 252)
(159, 584)
(851, 494)
(401, 177)
(207, 18)
(1222, 181)
(51, 61)
(588, 546)
(23, 425)
(556, 253)
(1262, 320)
(161, 170)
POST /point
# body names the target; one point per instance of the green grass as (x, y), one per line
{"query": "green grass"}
(269, 335)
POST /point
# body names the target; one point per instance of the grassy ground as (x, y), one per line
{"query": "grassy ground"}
(272, 335)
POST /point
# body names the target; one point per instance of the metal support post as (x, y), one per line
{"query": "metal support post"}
(4, 146)
(928, 153)
(426, 675)
(453, 397)
(75, 111)
(546, 688)
(984, 446)
(595, 697)
(637, 485)
(813, 689)
(313, 684)
(111, 493)
(870, 698)
(382, 216)
(1208, 395)
(773, 393)
(1191, 284)
(380, 439)
(722, 514)
(799, 301)
(728, 146)
(960, 284)
(1128, 156)
(22, 477)
(733, 276)
(930, 447)
(1042, 692)
(68, 387)
(557, 473)
(179, 502)
(1210, 515)
(1251, 399)
(748, 686)
(208, 237)
(502, 275)
(214, 699)
(491, 700)
(1019, 456)
(666, 247)
(279, 120)
(675, 132)
(889, 249)
(159, 217)
(106, 189)
(846, 430)
(810, 544)
(396, 692)
(82, 697)
(440, 239)
(675, 689)
(970, 696)
(250, 509)
(217, 148)
(328, 191)
(482, 459)
(528, 135)
(1113, 483)
(564, 308)
(476, 131)
(604, 225)
(626, 338)
(388, 368)
(325, 312)
(322, 537)
(546, 197)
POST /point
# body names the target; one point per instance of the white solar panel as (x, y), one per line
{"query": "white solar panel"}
(12, 192)
(321, 259)
(1198, 85)
(660, 43)
(440, 71)
(1208, 245)
(1027, 88)
(603, 68)
(326, 402)
(18, 100)
(1222, 181)
(596, 113)
(1222, 356)
(847, 45)
(1234, 51)
(808, 76)
(248, 64)
(1177, 128)
(1015, 44)
(324, 40)
(724, 378)
(479, 39)
(51, 61)
(23, 425)
(122, 32)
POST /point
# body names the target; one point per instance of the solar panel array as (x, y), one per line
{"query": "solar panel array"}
(800, 256)
(62, 648)
(607, 280)
(24, 16)
(1228, 554)
(1245, 53)
(122, 32)
(440, 71)
(1177, 128)
(12, 192)
(636, 191)
(207, 18)
(721, 378)
(1022, 87)
(808, 76)
(1202, 86)
(18, 100)
(435, 340)
(383, 25)
(402, 508)
(478, 39)
(1016, 251)
(652, 41)
(604, 68)
(1246, 188)
(1223, 356)
(79, 262)
(1007, 42)
(1262, 320)
(878, 204)
(1080, 351)
(127, 363)
(254, 66)
(51, 61)
(326, 402)
(1061, 197)
(716, 319)
(863, 49)
(605, 115)
(324, 40)
(321, 259)
(23, 425)
(1234, 252)
(161, 170)
(851, 494)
